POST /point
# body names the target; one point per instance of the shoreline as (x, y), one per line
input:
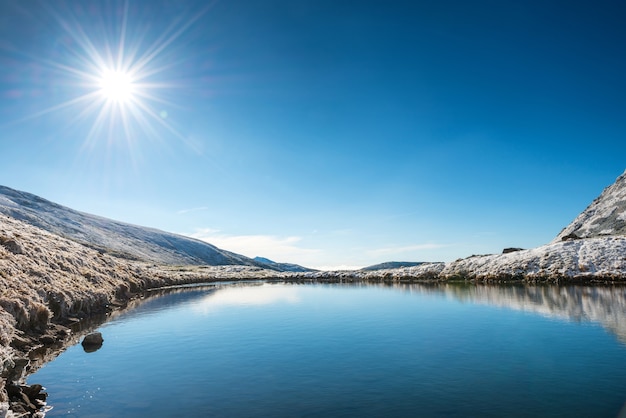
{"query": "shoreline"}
(36, 349)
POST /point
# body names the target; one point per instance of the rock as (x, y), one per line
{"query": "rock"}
(92, 342)
(511, 250)
(47, 340)
(603, 217)
(26, 399)
(11, 245)
(17, 371)
(570, 237)
(36, 394)
(20, 342)
(60, 331)
(13, 390)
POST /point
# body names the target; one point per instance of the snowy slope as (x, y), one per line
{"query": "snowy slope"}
(121, 239)
(592, 257)
(605, 216)
(392, 265)
(282, 266)
(593, 245)
(600, 253)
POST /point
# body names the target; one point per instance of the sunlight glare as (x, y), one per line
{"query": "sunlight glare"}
(116, 86)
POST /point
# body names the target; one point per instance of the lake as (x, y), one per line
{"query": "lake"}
(319, 350)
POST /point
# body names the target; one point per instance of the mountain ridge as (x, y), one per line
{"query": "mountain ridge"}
(287, 267)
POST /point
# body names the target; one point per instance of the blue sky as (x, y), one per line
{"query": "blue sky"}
(324, 133)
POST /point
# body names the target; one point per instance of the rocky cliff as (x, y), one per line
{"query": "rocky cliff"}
(605, 216)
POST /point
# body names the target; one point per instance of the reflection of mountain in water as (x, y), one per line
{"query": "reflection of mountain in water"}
(604, 305)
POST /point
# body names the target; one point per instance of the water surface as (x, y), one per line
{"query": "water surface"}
(336, 350)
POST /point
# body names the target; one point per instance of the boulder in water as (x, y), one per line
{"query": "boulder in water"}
(92, 342)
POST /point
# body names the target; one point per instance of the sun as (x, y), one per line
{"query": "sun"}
(115, 76)
(117, 86)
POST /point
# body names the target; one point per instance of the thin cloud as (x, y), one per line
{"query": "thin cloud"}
(280, 249)
(339, 267)
(184, 211)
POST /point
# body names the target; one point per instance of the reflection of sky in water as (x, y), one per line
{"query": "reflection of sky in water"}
(247, 296)
(331, 350)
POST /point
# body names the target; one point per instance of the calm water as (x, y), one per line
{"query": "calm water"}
(278, 350)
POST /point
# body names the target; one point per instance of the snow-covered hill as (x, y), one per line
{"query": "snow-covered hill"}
(592, 246)
(585, 258)
(113, 237)
(392, 265)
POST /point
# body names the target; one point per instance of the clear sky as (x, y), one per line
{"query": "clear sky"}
(320, 132)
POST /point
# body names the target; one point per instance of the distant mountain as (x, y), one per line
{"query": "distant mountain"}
(113, 237)
(605, 216)
(294, 268)
(391, 265)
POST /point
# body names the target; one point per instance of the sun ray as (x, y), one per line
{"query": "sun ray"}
(95, 128)
(122, 42)
(163, 42)
(78, 35)
(63, 105)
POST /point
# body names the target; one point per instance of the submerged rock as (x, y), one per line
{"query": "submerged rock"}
(92, 342)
